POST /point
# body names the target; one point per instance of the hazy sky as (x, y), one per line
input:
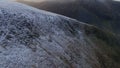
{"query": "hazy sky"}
(34, 0)
(42, 0)
(117, 0)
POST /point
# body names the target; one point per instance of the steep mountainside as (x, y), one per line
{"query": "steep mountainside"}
(32, 38)
(101, 13)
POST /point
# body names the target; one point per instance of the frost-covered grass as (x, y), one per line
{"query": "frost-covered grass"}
(32, 38)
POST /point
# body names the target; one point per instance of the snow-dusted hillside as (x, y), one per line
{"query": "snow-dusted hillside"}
(32, 38)
(96, 12)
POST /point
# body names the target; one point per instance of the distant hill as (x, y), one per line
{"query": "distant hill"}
(104, 15)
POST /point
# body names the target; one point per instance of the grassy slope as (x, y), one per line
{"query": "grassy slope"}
(107, 47)
(98, 14)
(105, 44)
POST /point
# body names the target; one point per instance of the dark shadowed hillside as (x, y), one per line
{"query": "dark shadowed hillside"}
(101, 14)
(33, 38)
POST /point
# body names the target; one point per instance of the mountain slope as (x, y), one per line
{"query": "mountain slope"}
(32, 38)
(96, 12)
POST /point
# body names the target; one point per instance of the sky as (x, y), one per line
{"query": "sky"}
(30, 0)
(117, 0)
(40, 0)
